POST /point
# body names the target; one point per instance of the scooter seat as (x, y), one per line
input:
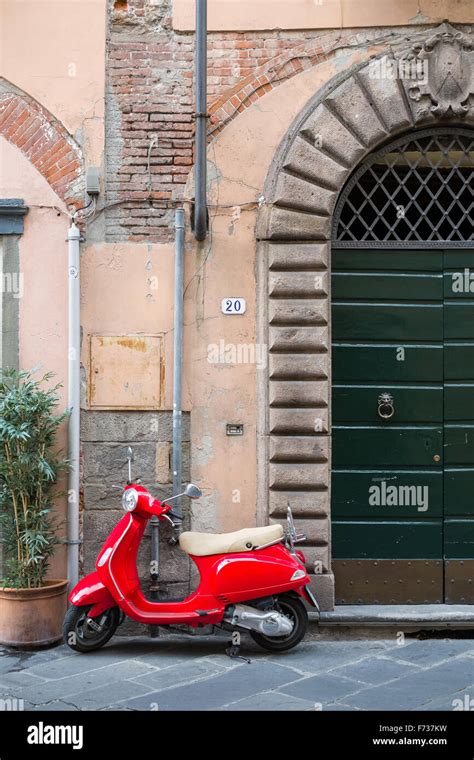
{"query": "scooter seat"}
(203, 544)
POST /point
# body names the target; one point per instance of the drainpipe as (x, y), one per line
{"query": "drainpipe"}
(177, 463)
(177, 417)
(74, 402)
(200, 176)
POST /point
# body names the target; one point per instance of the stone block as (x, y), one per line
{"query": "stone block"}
(107, 462)
(298, 284)
(163, 470)
(304, 339)
(297, 256)
(299, 448)
(299, 393)
(303, 194)
(298, 366)
(298, 475)
(305, 311)
(130, 427)
(286, 223)
(302, 503)
(352, 107)
(308, 161)
(310, 421)
(326, 130)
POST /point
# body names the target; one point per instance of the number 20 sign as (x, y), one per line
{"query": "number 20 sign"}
(233, 305)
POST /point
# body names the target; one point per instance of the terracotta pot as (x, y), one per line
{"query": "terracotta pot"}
(32, 616)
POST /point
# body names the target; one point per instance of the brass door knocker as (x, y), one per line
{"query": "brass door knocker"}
(385, 408)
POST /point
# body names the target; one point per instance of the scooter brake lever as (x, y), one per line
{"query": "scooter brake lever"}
(174, 539)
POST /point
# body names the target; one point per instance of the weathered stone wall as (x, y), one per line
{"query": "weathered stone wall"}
(105, 438)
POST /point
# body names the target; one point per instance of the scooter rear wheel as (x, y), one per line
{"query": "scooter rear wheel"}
(81, 636)
(294, 609)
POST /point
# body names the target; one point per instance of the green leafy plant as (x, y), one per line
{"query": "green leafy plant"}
(29, 468)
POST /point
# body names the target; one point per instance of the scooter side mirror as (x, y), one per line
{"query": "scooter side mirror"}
(192, 491)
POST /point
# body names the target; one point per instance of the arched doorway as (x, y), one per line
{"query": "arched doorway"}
(347, 122)
(403, 373)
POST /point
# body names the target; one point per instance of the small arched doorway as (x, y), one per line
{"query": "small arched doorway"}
(402, 496)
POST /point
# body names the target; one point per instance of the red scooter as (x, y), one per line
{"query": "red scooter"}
(251, 580)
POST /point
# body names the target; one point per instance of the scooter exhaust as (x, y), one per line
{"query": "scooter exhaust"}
(271, 623)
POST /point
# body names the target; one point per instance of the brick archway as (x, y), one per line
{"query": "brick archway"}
(354, 114)
(44, 141)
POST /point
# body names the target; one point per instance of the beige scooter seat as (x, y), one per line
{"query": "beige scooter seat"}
(202, 544)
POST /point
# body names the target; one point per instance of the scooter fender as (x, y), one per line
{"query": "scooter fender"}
(91, 590)
(308, 596)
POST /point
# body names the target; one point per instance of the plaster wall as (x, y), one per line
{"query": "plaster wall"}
(232, 391)
(54, 50)
(44, 284)
(252, 15)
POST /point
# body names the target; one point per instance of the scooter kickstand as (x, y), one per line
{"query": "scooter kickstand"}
(233, 652)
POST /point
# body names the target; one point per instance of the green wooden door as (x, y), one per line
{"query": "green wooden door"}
(402, 488)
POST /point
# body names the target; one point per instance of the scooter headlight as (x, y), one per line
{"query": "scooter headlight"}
(129, 499)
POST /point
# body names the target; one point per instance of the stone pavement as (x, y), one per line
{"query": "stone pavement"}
(328, 671)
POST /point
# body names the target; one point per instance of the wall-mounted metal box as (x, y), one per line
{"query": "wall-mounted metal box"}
(126, 372)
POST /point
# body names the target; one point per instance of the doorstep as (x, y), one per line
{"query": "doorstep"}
(426, 615)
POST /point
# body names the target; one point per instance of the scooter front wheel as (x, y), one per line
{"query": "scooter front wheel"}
(85, 634)
(295, 610)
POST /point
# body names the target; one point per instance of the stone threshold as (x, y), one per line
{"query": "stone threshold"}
(426, 615)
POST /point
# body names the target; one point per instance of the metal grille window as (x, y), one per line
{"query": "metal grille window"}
(417, 190)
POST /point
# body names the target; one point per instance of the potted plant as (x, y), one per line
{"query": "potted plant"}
(31, 607)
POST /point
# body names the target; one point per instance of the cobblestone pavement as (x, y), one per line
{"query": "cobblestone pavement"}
(327, 671)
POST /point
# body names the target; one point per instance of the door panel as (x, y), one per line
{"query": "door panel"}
(458, 491)
(413, 403)
(382, 322)
(410, 446)
(384, 259)
(400, 363)
(459, 444)
(458, 361)
(458, 402)
(387, 488)
(459, 538)
(459, 425)
(458, 319)
(351, 487)
(384, 539)
(398, 287)
(403, 324)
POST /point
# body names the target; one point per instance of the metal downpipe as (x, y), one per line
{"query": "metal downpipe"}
(200, 172)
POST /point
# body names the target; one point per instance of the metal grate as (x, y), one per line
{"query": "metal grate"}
(414, 192)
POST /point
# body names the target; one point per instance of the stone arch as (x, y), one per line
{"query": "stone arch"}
(44, 141)
(355, 113)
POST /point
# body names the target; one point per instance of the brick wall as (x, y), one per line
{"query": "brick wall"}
(150, 103)
(44, 142)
